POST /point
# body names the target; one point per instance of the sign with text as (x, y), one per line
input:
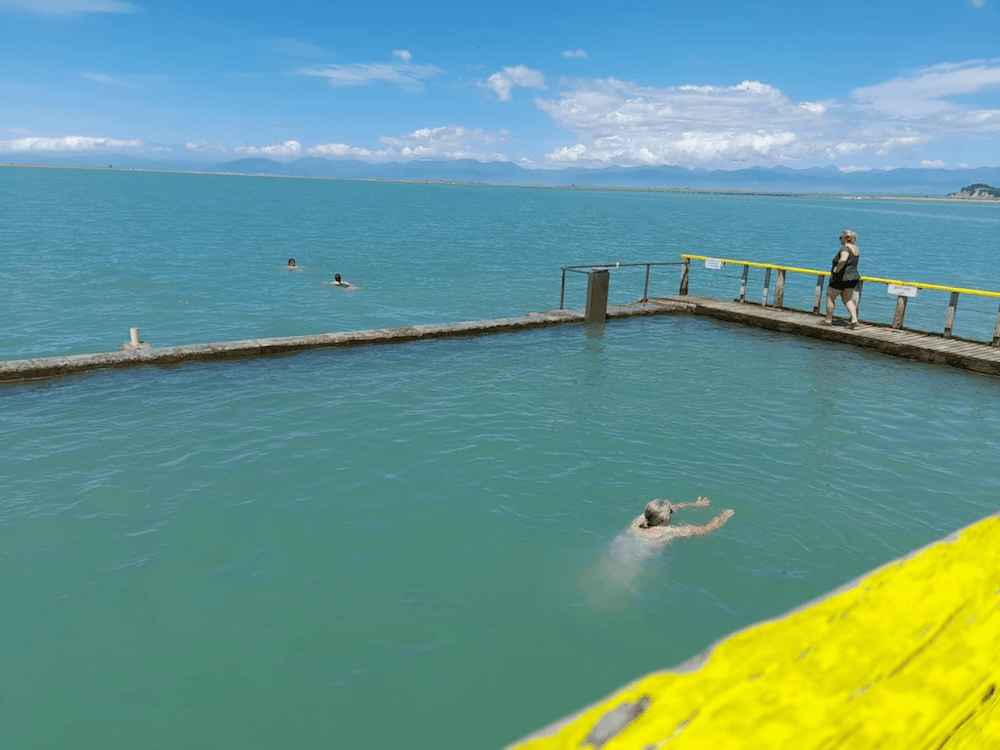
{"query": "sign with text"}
(899, 290)
(714, 263)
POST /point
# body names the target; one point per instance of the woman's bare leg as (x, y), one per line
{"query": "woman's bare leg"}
(852, 307)
(831, 303)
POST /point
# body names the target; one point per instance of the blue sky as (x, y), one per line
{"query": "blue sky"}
(723, 85)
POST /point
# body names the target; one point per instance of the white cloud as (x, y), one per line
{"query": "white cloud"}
(66, 143)
(503, 81)
(404, 74)
(754, 123)
(978, 3)
(931, 164)
(575, 53)
(925, 92)
(288, 148)
(618, 122)
(447, 142)
(206, 147)
(70, 7)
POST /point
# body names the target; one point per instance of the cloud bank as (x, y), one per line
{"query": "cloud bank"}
(447, 142)
(753, 123)
(69, 143)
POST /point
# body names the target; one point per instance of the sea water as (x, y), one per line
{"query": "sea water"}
(408, 545)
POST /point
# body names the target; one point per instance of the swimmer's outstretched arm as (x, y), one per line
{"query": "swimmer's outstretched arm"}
(718, 522)
(701, 502)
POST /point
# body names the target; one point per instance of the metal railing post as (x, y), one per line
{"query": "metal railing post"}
(819, 292)
(857, 300)
(685, 271)
(897, 317)
(645, 289)
(562, 294)
(767, 287)
(743, 284)
(779, 290)
(996, 331)
(950, 320)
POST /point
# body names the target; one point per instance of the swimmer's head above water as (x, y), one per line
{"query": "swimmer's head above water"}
(658, 513)
(291, 262)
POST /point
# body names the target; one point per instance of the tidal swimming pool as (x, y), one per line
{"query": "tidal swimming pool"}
(408, 544)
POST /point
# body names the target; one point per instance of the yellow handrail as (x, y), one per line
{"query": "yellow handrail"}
(919, 285)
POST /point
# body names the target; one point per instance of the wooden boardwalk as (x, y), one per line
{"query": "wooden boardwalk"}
(977, 356)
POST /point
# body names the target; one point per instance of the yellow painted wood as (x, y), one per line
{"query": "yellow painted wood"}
(907, 656)
(874, 279)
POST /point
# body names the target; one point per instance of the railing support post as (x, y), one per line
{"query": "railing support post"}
(597, 296)
(767, 287)
(743, 284)
(645, 289)
(949, 322)
(897, 318)
(996, 331)
(820, 278)
(779, 290)
(562, 294)
(685, 271)
(857, 300)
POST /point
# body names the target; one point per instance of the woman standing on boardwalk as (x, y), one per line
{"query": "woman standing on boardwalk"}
(844, 277)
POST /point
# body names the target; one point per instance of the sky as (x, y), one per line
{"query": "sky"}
(730, 84)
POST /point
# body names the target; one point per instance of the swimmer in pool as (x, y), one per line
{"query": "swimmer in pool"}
(651, 532)
(291, 265)
(654, 523)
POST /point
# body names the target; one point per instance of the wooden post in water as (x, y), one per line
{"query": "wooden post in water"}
(743, 284)
(767, 287)
(684, 276)
(779, 290)
(949, 322)
(819, 292)
(597, 296)
(897, 318)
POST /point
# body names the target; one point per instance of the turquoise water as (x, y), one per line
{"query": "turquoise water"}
(407, 545)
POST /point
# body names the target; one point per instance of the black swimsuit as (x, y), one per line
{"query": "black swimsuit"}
(847, 278)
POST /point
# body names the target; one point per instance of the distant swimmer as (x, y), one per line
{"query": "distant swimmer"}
(651, 532)
(291, 265)
(337, 281)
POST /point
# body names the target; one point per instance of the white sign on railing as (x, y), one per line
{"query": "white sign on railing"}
(898, 290)
(714, 263)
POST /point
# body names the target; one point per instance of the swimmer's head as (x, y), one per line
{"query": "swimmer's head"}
(336, 277)
(658, 513)
(291, 262)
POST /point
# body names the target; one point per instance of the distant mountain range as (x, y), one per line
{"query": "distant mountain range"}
(925, 182)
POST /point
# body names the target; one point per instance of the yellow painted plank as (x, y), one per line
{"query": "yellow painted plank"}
(906, 656)
(873, 279)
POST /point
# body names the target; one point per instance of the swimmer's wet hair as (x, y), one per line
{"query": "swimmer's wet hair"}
(658, 511)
